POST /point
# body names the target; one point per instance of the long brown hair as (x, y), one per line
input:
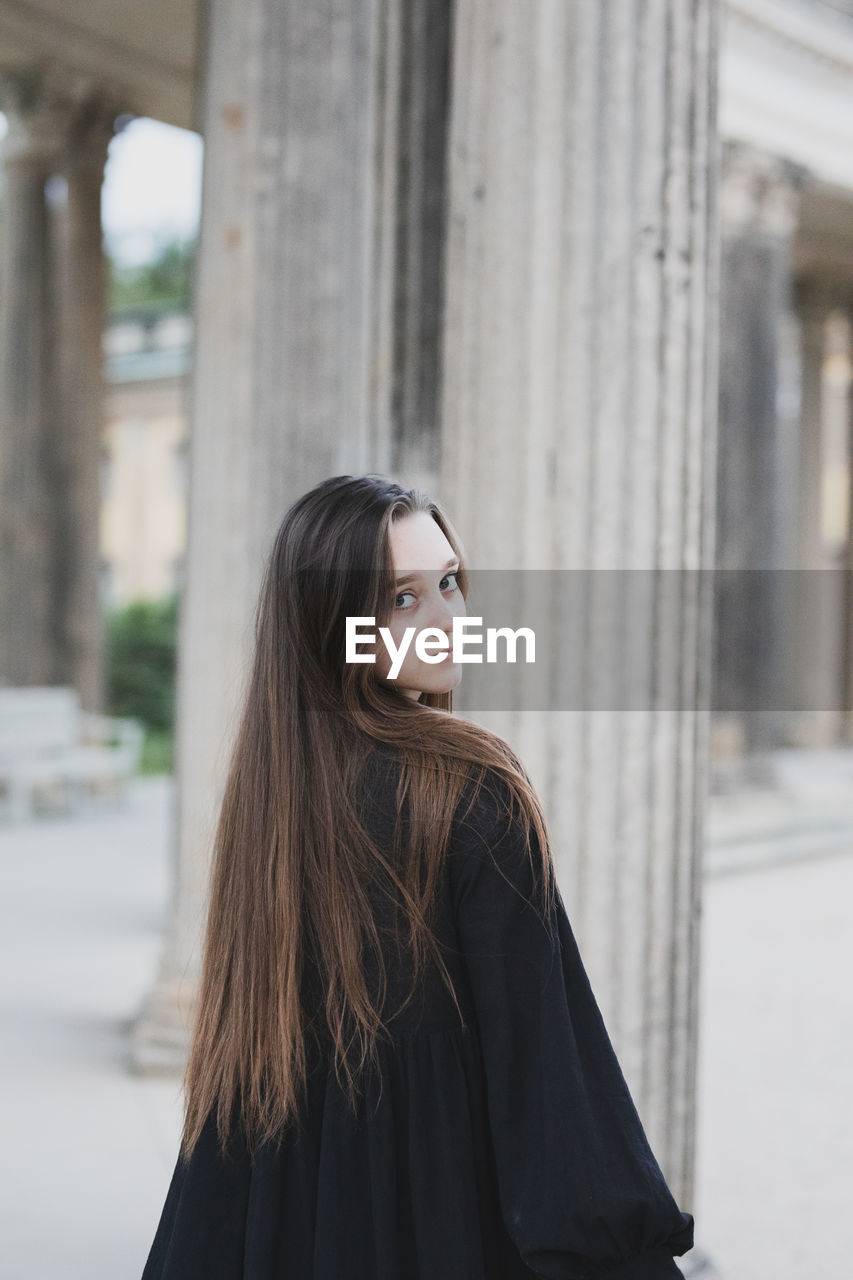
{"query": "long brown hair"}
(291, 859)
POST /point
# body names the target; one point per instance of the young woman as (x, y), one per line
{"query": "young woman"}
(398, 1069)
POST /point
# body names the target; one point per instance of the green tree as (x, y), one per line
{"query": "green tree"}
(162, 284)
(141, 661)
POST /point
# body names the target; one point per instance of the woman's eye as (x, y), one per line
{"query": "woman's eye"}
(448, 578)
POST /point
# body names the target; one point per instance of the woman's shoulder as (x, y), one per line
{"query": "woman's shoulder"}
(490, 818)
(487, 807)
(487, 795)
(497, 863)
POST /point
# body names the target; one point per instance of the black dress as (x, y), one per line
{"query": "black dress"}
(506, 1148)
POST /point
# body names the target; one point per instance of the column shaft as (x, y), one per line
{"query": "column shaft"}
(30, 649)
(757, 485)
(579, 434)
(815, 619)
(846, 557)
(80, 413)
(51, 320)
(419, 276)
(293, 374)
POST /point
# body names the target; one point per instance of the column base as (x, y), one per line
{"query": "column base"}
(160, 1038)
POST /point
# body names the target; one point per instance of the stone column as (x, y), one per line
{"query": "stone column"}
(813, 675)
(837, 513)
(419, 275)
(758, 444)
(30, 640)
(844, 393)
(80, 412)
(579, 413)
(294, 366)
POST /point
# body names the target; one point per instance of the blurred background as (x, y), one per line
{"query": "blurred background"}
(585, 273)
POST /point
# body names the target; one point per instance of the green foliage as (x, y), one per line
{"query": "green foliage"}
(157, 752)
(163, 284)
(141, 657)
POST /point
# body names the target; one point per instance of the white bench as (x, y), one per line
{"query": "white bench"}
(50, 747)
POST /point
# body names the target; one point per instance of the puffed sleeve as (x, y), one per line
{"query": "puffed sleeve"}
(581, 1192)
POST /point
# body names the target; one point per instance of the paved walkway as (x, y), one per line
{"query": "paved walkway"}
(89, 1148)
(775, 1128)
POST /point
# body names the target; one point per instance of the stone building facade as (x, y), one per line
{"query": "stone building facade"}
(144, 459)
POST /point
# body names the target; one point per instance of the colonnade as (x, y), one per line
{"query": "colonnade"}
(51, 321)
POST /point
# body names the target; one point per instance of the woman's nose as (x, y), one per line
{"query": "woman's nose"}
(443, 616)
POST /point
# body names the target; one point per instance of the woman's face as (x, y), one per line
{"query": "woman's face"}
(428, 597)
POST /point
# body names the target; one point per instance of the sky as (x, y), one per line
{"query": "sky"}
(152, 188)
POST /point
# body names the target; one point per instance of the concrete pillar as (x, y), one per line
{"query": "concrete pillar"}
(756, 477)
(30, 639)
(579, 413)
(294, 368)
(80, 411)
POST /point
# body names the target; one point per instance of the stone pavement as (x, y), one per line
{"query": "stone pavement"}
(775, 1120)
(86, 1145)
(89, 1148)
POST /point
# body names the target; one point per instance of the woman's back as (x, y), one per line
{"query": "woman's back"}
(505, 1147)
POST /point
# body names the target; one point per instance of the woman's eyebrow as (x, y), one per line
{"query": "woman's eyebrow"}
(409, 577)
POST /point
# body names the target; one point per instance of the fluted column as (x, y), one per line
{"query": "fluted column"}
(50, 386)
(293, 379)
(758, 444)
(836, 519)
(80, 410)
(420, 233)
(810, 643)
(30, 639)
(579, 419)
(843, 394)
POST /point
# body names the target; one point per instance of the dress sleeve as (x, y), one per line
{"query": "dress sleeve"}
(581, 1193)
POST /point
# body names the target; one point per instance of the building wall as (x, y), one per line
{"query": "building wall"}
(143, 519)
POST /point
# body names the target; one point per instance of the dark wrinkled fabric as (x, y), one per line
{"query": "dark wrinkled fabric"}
(504, 1149)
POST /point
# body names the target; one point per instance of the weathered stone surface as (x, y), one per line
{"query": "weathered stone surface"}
(51, 321)
(756, 477)
(294, 374)
(578, 433)
(29, 642)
